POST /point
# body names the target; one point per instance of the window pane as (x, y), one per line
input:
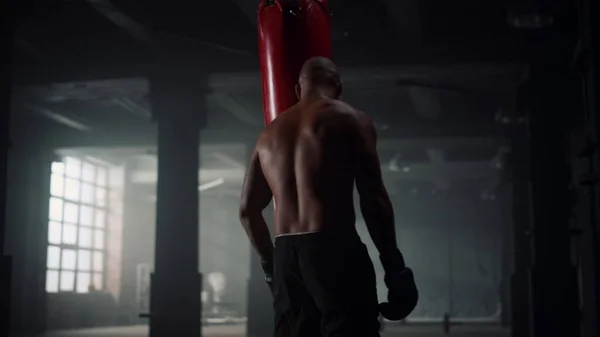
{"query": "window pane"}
(98, 239)
(67, 281)
(72, 189)
(85, 237)
(83, 282)
(98, 281)
(69, 234)
(58, 167)
(54, 232)
(73, 167)
(88, 172)
(57, 185)
(53, 258)
(98, 261)
(100, 197)
(51, 281)
(56, 209)
(84, 260)
(101, 176)
(71, 213)
(87, 216)
(99, 218)
(87, 193)
(69, 257)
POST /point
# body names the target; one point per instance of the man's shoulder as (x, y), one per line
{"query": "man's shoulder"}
(274, 129)
(356, 115)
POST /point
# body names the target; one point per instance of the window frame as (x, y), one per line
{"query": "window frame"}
(94, 227)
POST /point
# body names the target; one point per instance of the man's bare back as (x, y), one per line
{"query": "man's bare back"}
(308, 156)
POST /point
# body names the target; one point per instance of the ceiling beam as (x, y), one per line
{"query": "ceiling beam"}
(235, 107)
(60, 118)
(377, 77)
(133, 107)
(506, 76)
(116, 16)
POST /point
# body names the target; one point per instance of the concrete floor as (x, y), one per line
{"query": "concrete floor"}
(240, 331)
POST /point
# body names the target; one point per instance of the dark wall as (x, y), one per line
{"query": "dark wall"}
(28, 190)
(454, 246)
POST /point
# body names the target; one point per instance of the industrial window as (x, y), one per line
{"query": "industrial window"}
(77, 227)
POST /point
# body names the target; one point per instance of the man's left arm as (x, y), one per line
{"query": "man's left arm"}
(256, 196)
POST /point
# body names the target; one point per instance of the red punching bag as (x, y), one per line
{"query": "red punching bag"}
(289, 33)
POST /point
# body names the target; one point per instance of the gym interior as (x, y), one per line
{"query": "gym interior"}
(128, 126)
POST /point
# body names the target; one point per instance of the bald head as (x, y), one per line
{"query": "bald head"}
(319, 75)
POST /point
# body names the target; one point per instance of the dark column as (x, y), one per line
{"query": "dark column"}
(506, 221)
(178, 104)
(260, 300)
(6, 17)
(554, 293)
(518, 174)
(588, 171)
(26, 215)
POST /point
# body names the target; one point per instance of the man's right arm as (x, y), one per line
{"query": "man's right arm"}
(375, 203)
(376, 208)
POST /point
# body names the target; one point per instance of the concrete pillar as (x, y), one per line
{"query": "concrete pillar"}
(553, 277)
(590, 242)
(177, 96)
(5, 83)
(505, 199)
(520, 232)
(28, 185)
(261, 320)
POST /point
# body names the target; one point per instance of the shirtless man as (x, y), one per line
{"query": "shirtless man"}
(319, 271)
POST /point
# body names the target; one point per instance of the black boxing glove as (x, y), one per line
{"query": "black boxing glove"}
(267, 267)
(402, 290)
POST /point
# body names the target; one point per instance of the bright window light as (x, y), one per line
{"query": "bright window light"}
(76, 226)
